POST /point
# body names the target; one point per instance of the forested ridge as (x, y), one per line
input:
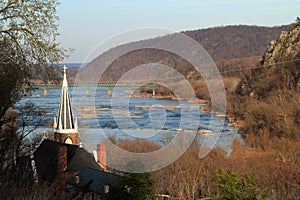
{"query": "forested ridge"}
(227, 43)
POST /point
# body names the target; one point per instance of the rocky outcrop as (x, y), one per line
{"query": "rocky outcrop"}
(267, 97)
(286, 48)
(280, 67)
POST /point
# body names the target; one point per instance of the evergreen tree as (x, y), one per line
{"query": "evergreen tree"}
(233, 188)
(135, 186)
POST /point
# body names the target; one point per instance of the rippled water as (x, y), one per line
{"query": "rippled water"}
(124, 116)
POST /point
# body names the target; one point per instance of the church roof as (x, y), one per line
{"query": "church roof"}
(46, 159)
(94, 180)
(65, 123)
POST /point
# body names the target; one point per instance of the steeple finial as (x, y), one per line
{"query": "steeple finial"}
(65, 82)
(65, 69)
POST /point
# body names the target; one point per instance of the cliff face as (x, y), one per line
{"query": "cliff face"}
(286, 48)
(281, 67)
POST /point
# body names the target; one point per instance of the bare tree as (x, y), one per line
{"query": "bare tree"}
(28, 33)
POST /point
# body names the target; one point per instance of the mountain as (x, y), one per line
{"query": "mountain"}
(228, 42)
(222, 43)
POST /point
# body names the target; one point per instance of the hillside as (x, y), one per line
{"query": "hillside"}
(267, 98)
(222, 43)
(228, 42)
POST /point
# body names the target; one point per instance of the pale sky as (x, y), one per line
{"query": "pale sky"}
(84, 24)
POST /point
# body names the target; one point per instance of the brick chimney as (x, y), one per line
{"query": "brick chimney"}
(62, 165)
(101, 155)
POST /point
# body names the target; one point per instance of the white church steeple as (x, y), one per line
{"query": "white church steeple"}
(65, 127)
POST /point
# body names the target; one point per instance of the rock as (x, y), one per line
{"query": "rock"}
(286, 48)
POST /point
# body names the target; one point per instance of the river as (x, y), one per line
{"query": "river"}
(124, 116)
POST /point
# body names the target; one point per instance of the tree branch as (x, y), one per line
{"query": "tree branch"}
(9, 5)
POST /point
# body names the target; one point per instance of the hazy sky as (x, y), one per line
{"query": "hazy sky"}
(86, 23)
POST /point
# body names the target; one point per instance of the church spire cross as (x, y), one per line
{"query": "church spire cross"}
(65, 69)
(65, 81)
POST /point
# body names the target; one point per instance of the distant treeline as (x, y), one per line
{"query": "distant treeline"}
(222, 43)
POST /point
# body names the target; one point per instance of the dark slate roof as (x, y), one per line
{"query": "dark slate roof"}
(46, 164)
(94, 180)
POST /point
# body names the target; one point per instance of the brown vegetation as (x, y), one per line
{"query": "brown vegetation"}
(190, 177)
(272, 173)
(222, 43)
